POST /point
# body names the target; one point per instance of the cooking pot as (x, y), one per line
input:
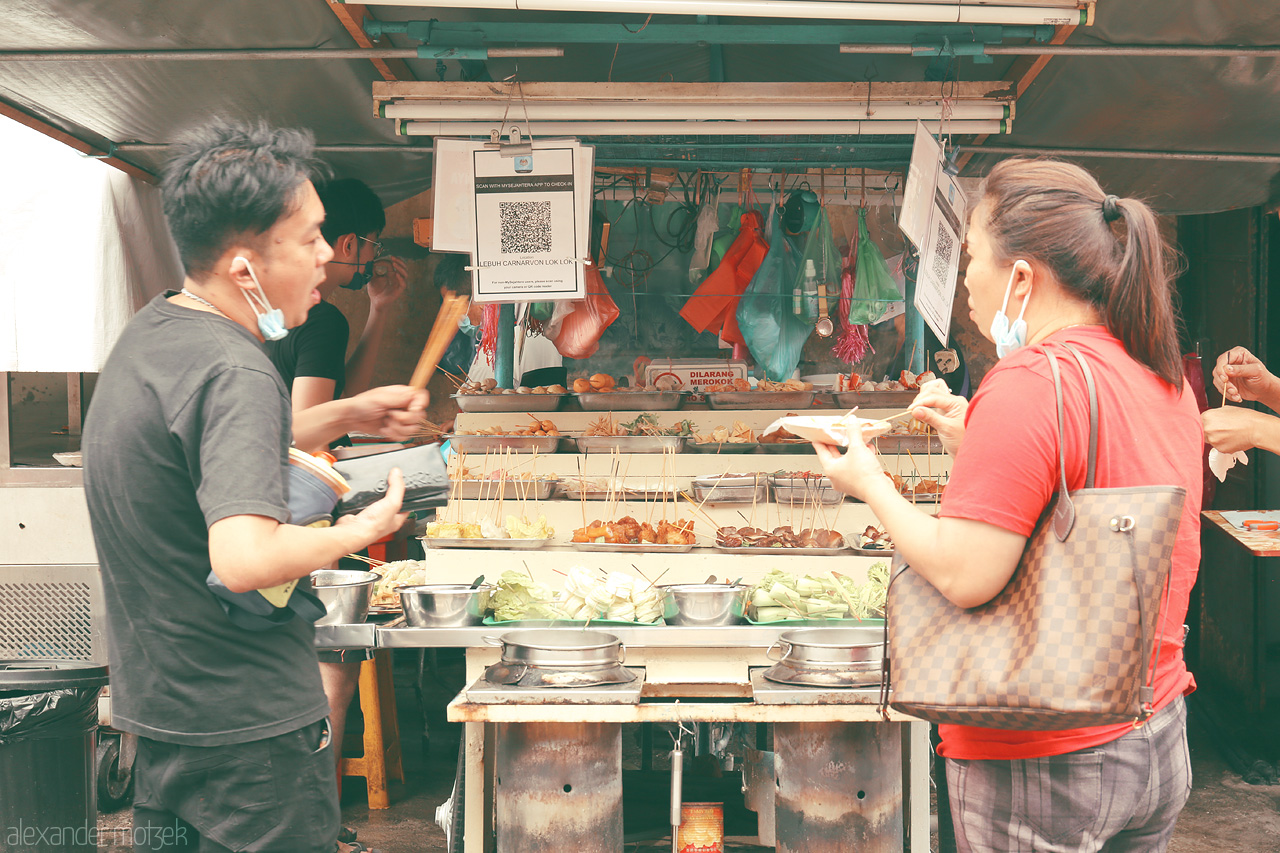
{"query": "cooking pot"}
(703, 604)
(830, 647)
(560, 648)
(444, 605)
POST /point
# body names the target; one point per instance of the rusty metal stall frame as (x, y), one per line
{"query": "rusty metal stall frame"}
(682, 662)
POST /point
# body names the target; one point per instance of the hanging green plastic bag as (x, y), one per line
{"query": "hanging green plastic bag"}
(873, 288)
(773, 333)
(817, 276)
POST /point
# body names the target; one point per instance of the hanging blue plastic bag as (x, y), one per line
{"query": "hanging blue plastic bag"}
(773, 333)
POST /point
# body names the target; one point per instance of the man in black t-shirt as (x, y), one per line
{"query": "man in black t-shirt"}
(185, 454)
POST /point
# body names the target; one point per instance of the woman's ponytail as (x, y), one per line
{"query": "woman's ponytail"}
(1139, 310)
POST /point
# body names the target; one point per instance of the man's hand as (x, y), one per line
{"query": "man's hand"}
(382, 518)
(394, 411)
(937, 407)
(1240, 376)
(390, 275)
(1231, 428)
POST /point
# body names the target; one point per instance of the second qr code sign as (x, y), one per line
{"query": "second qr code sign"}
(526, 228)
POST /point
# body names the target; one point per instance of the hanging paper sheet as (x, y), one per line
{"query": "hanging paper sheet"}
(933, 218)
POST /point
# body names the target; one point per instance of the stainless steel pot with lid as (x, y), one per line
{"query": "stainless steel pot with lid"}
(564, 657)
(828, 657)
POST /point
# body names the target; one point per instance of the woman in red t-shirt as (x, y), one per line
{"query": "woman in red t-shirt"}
(1043, 239)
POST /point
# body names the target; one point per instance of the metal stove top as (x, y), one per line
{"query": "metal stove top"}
(486, 693)
(766, 692)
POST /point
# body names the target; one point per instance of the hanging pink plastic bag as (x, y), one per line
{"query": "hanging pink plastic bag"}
(580, 332)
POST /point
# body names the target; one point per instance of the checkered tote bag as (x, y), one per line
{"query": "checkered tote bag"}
(1070, 641)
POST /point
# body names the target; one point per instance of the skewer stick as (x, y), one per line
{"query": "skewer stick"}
(370, 560)
(442, 332)
(705, 517)
(582, 493)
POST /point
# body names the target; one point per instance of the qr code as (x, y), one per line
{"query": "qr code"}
(525, 226)
(942, 250)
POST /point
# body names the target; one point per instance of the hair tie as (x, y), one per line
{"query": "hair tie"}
(1110, 210)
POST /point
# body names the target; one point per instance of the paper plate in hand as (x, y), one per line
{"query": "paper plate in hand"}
(828, 429)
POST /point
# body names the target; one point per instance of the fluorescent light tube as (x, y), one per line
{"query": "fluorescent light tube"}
(691, 128)
(847, 10)
(539, 111)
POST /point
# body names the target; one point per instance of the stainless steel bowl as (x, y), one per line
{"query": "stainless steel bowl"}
(703, 604)
(444, 605)
(345, 595)
(560, 648)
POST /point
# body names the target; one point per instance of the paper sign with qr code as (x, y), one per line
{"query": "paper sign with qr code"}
(527, 228)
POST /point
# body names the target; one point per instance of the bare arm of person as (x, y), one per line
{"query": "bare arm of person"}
(393, 411)
(969, 562)
(1232, 428)
(389, 280)
(250, 552)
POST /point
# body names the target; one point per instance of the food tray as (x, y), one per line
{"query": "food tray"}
(914, 443)
(721, 446)
(629, 443)
(787, 446)
(828, 496)
(760, 399)
(882, 553)
(870, 622)
(874, 399)
(731, 479)
(509, 402)
(554, 623)
(926, 498)
(645, 548)
(512, 490)
(808, 552)
(574, 493)
(747, 493)
(497, 443)
(486, 544)
(627, 401)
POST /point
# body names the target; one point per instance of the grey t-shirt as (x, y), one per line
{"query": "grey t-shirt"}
(189, 424)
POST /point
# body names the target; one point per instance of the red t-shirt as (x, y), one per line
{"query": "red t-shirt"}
(1007, 469)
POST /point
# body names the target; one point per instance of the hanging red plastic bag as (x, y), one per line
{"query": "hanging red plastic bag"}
(713, 306)
(773, 333)
(580, 332)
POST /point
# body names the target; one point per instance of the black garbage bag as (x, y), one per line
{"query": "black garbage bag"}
(51, 714)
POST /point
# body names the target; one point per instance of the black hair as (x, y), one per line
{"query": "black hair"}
(229, 179)
(1107, 251)
(350, 207)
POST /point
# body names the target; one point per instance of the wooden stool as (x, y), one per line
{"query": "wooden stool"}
(381, 731)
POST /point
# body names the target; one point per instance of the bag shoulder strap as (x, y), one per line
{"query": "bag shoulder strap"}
(1064, 513)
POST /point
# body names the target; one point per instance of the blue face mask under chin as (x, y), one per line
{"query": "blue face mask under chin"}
(1010, 337)
(270, 320)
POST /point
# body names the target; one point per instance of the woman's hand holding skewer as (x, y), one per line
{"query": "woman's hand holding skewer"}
(1240, 375)
(937, 407)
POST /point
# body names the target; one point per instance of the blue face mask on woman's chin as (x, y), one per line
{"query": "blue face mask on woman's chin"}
(1010, 337)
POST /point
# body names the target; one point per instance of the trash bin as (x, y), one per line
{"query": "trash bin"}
(48, 724)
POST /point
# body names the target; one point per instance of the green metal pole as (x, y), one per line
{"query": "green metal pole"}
(505, 362)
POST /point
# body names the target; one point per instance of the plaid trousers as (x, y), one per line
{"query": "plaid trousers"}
(1120, 797)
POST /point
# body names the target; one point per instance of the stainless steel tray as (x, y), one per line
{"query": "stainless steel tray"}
(509, 402)
(808, 552)
(573, 493)
(801, 495)
(629, 443)
(884, 553)
(495, 443)
(758, 493)
(512, 490)
(760, 399)
(628, 401)
(787, 446)
(731, 479)
(721, 446)
(487, 544)
(914, 443)
(874, 399)
(609, 547)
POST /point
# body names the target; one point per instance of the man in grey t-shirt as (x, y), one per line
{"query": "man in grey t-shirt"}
(185, 450)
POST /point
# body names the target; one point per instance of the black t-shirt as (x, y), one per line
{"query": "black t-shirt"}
(316, 348)
(190, 424)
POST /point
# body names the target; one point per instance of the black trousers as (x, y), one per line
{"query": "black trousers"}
(277, 795)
